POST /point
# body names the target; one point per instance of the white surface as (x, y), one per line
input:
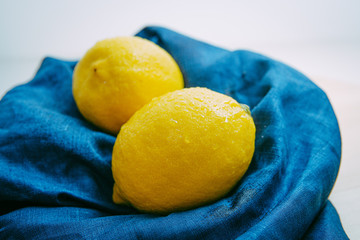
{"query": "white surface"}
(319, 38)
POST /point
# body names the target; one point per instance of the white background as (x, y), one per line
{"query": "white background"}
(319, 38)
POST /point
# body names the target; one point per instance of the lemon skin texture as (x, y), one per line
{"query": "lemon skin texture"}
(117, 76)
(182, 150)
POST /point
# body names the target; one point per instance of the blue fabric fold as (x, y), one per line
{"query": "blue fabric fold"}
(56, 180)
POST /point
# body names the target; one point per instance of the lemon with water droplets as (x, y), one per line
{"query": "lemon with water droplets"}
(182, 150)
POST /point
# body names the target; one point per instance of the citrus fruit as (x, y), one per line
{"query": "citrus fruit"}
(117, 76)
(181, 150)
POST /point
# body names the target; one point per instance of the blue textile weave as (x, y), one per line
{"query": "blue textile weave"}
(55, 167)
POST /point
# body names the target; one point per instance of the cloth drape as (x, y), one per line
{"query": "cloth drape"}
(55, 167)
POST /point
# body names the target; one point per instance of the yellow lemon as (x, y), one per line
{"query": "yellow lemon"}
(118, 76)
(184, 149)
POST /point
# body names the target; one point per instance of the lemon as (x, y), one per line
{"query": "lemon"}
(181, 150)
(117, 76)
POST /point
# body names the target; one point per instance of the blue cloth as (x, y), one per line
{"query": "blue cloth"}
(56, 180)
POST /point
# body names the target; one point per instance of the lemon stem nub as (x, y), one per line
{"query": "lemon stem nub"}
(246, 108)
